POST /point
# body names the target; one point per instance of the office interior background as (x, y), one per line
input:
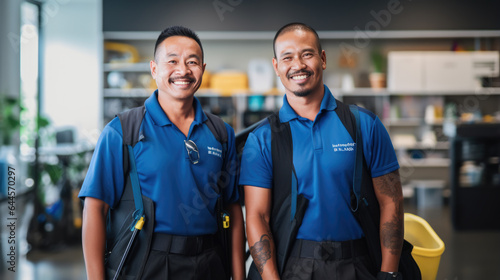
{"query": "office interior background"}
(428, 69)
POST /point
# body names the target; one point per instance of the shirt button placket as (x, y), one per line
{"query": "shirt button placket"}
(316, 136)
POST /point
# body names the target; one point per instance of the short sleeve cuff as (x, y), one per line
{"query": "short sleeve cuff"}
(386, 170)
(255, 184)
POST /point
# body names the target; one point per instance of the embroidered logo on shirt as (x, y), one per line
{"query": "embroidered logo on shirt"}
(215, 151)
(348, 147)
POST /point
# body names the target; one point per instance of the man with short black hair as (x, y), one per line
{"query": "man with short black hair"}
(181, 167)
(329, 242)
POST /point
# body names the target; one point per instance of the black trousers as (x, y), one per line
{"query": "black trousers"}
(346, 260)
(166, 262)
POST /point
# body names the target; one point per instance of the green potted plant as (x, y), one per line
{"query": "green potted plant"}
(9, 118)
(377, 77)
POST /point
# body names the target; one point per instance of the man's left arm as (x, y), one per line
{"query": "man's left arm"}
(237, 241)
(230, 171)
(390, 197)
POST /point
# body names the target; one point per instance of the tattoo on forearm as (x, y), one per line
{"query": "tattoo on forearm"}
(392, 231)
(261, 252)
(390, 185)
(392, 234)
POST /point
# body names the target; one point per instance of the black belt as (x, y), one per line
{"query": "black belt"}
(183, 245)
(329, 250)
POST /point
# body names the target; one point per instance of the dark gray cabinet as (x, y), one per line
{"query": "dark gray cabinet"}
(475, 177)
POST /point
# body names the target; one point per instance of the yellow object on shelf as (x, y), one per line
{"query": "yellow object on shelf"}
(488, 119)
(228, 82)
(427, 246)
(129, 53)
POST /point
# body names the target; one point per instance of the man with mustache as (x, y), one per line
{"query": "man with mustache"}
(330, 243)
(179, 162)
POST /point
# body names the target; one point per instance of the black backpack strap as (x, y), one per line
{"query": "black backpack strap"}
(367, 213)
(217, 126)
(131, 121)
(218, 129)
(364, 202)
(125, 215)
(282, 156)
(349, 116)
(288, 207)
(346, 117)
(358, 162)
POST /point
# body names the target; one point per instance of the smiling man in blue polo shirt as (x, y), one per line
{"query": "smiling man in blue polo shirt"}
(179, 162)
(323, 160)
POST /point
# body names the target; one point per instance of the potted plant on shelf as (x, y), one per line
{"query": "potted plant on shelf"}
(377, 77)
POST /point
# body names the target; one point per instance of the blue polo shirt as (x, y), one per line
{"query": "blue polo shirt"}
(323, 157)
(184, 193)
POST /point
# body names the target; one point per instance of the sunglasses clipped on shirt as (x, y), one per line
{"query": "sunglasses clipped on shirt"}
(192, 151)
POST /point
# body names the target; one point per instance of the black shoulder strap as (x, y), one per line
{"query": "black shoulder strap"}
(347, 119)
(364, 203)
(217, 126)
(288, 207)
(131, 124)
(359, 161)
(349, 116)
(282, 156)
(218, 129)
(122, 224)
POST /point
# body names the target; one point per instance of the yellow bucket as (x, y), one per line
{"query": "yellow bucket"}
(427, 246)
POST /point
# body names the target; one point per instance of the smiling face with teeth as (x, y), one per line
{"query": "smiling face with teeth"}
(299, 63)
(178, 67)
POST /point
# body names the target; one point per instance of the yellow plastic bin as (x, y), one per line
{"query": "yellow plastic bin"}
(427, 246)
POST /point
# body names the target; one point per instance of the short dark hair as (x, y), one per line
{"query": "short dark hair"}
(177, 30)
(296, 26)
